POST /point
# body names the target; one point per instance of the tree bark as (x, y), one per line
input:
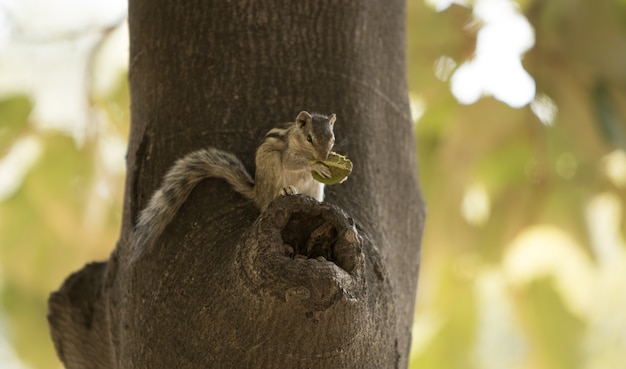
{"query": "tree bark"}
(217, 288)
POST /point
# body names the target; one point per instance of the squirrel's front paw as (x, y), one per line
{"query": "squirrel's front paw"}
(322, 170)
(288, 190)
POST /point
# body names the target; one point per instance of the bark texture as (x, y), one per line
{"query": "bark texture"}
(303, 285)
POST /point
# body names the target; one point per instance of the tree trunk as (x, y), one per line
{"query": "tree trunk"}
(216, 289)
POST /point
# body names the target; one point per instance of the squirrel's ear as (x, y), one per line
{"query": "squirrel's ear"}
(302, 118)
(332, 119)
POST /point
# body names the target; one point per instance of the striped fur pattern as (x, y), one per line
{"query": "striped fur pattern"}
(282, 167)
(282, 160)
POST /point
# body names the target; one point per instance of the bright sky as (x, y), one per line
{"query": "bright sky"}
(496, 69)
(43, 53)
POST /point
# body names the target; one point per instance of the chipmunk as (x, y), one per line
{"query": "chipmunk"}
(283, 167)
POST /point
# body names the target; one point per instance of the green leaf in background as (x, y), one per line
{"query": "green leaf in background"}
(555, 332)
(611, 124)
(531, 171)
(38, 228)
(451, 347)
(14, 112)
(52, 225)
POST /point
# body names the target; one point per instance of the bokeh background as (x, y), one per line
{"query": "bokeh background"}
(520, 121)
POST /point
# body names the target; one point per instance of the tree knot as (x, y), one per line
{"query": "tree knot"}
(299, 244)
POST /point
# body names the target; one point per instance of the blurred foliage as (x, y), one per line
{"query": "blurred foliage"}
(13, 113)
(499, 177)
(66, 212)
(523, 257)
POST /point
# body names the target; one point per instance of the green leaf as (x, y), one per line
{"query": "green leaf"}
(340, 168)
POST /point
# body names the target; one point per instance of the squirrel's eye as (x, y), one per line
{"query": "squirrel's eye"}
(309, 138)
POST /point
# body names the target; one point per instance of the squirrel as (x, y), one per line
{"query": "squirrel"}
(284, 162)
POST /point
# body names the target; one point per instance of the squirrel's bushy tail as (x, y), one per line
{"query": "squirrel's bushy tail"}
(180, 181)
